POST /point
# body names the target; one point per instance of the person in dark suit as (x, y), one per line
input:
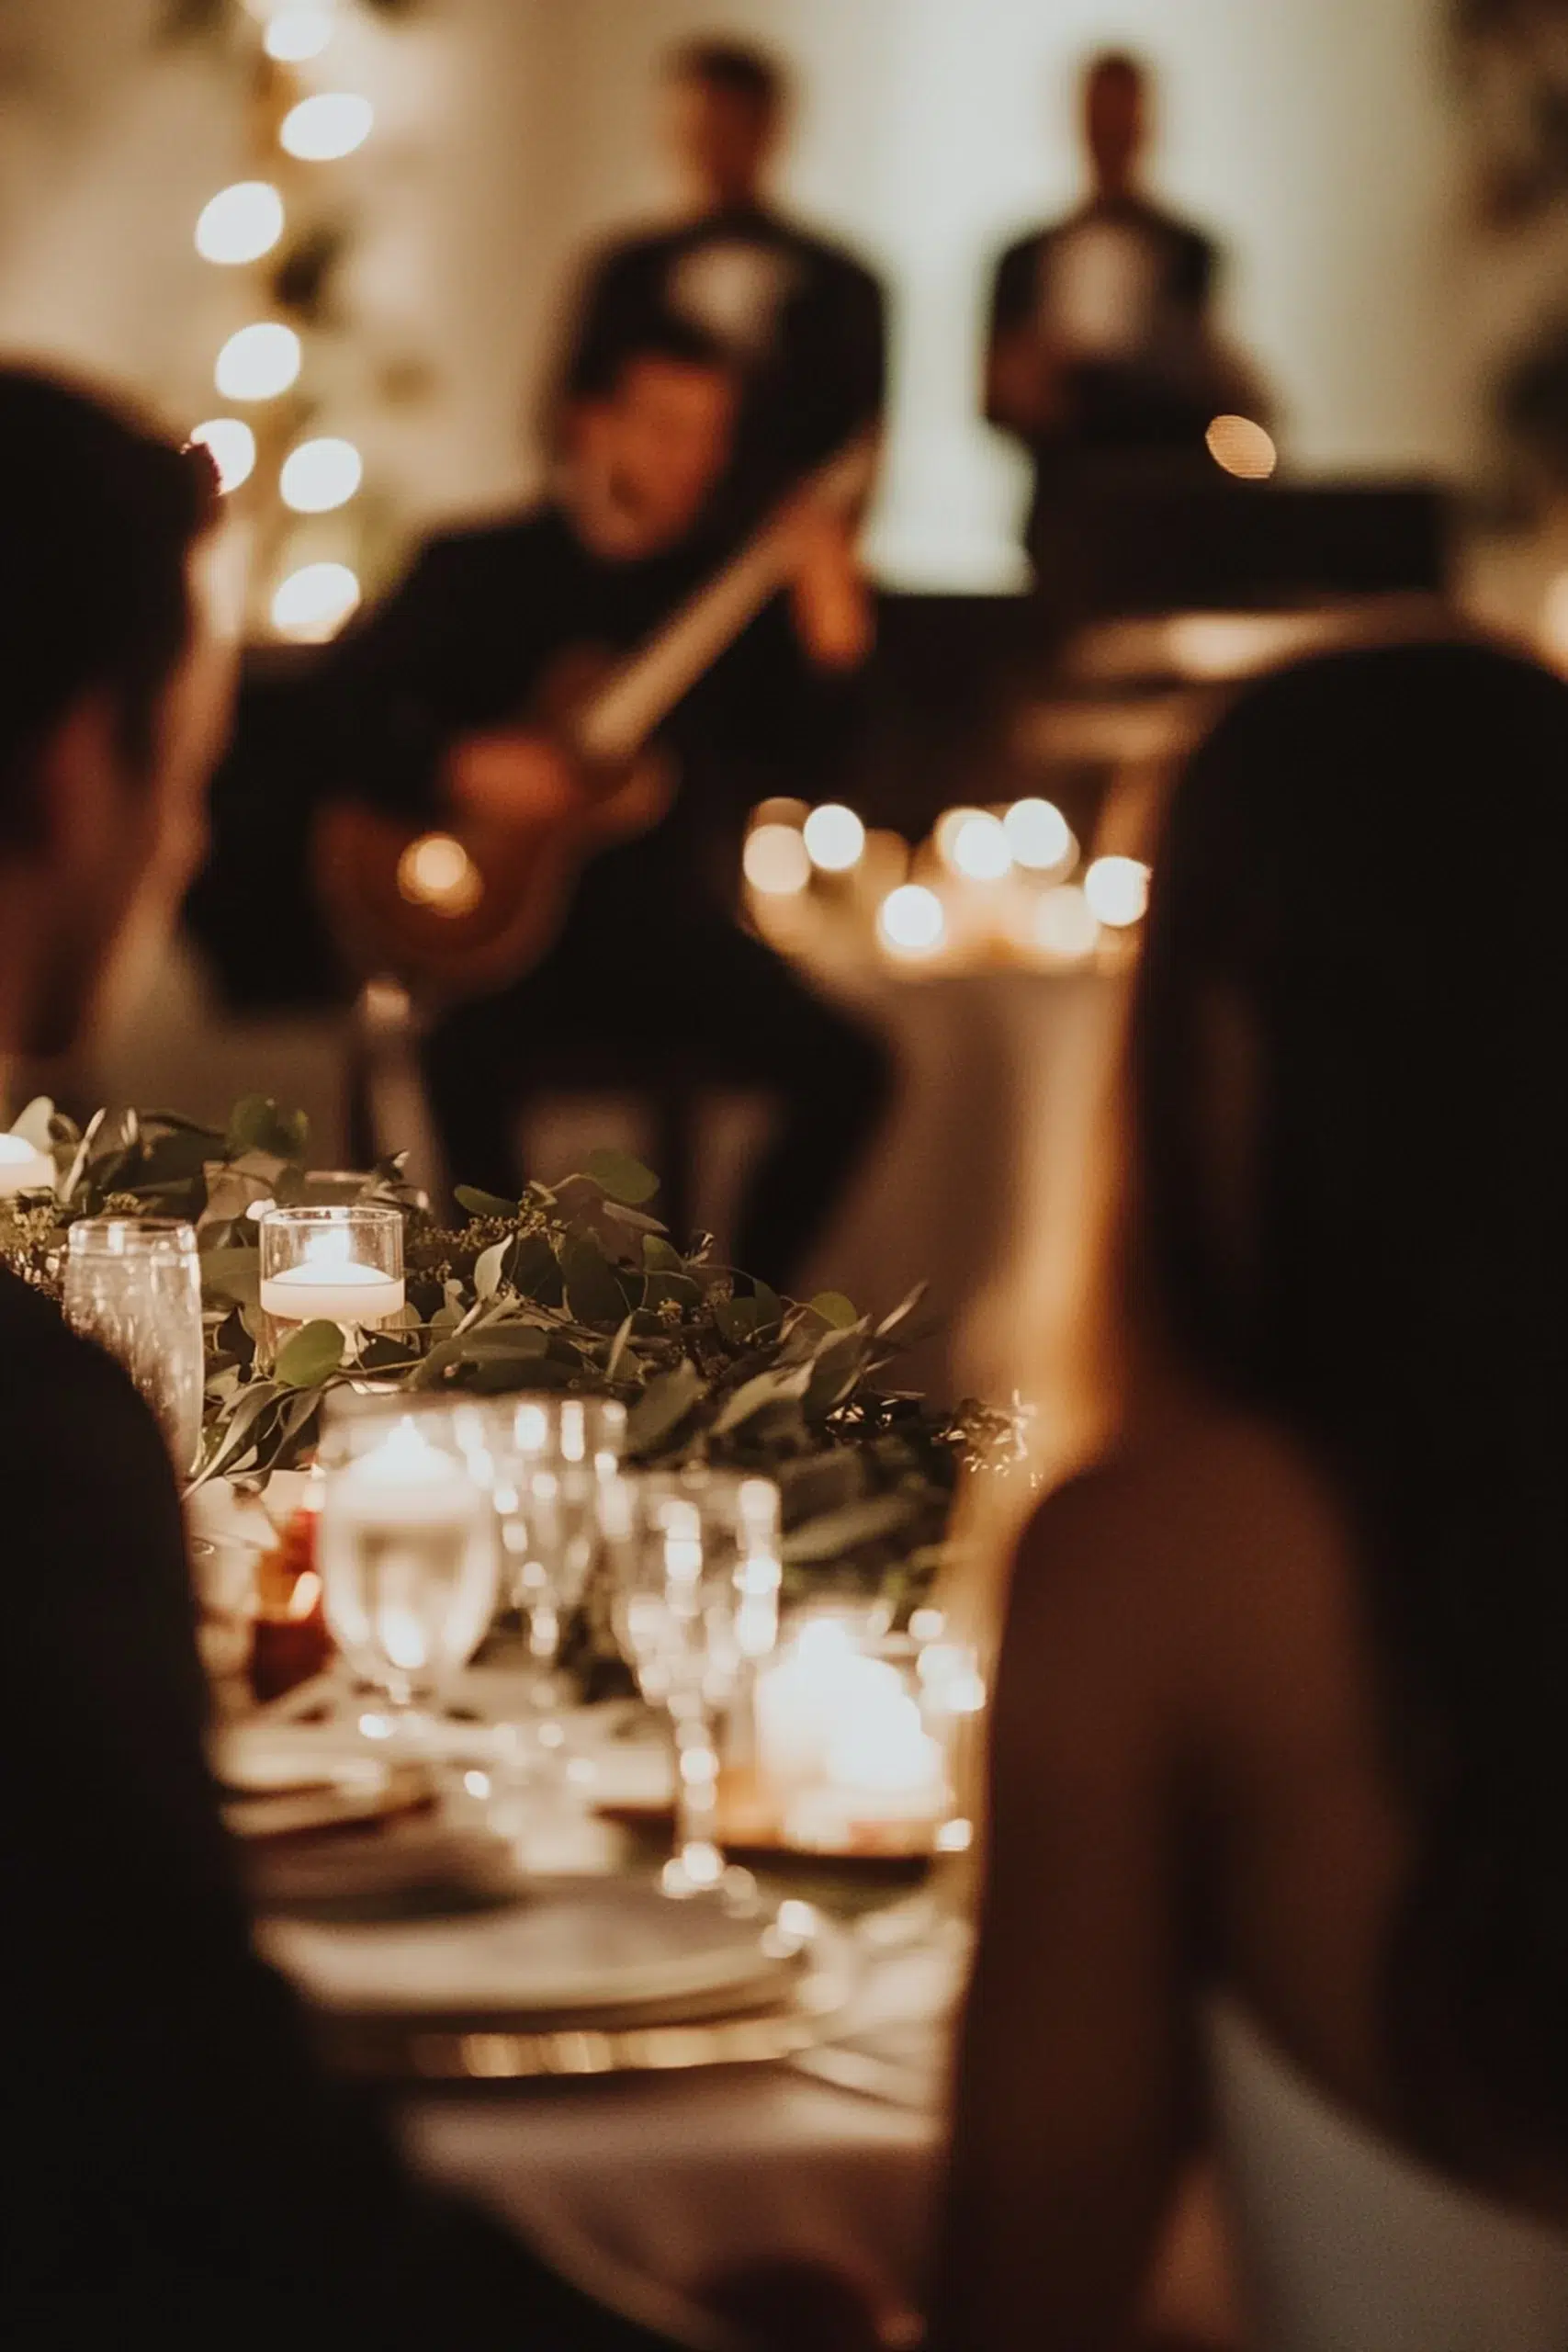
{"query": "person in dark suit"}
(178, 2170)
(1101, 345)
(436, 694)
(800, 319)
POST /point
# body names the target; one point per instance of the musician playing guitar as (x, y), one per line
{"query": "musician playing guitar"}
(444, 707)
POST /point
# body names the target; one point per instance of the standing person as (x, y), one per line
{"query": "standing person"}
(177, 2169)
(1279, 1756)
(1101, 345)
(801, 321)
(650, 972)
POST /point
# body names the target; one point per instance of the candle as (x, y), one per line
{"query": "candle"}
(819, 1678)
(882, 1771)
(329, 1285)
(23, 1168)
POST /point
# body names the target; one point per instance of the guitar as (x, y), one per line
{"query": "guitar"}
(465, 908)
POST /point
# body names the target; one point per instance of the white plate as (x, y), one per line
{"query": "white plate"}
(579, 1948)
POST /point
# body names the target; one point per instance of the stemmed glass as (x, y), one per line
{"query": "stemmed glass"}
(696, 1560)
(405, 1544)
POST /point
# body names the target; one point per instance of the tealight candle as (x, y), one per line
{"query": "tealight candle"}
(332, 1289)
(23, 1168)
(340, 1264)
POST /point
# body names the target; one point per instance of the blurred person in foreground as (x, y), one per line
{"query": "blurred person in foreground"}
(1101, 351)
(176, 2168)
(439, 693)
(1278, 1844)
(800, 319)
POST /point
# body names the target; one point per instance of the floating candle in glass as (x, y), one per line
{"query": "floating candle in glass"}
(336, 1263)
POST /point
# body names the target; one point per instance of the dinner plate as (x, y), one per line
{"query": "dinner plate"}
(576, 1950)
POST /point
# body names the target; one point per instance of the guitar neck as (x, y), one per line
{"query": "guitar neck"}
(644, 690)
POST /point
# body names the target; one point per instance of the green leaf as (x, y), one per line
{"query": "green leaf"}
(839, 1363)
(533, 1271)
(618, 1346)
(487, 1269)
(488, 1342)
(621, 1178)
(256, 1124)
(770, 1306)
(481, 1204)
(736, 1320)
(763, 1389)
(633, 1219)
(231, 1273)
(837, 1533)
(834, 1308)
(662, 1407)
(593, 1293)
(903, 1311)
(309, 1355)
(659, 1257)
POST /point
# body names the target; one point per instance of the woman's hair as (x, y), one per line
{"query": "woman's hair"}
(1358, 924)
(98, 515)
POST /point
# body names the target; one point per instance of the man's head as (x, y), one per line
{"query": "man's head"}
(1115, 118)
(649, 438)
(726, 107)
(99, 733)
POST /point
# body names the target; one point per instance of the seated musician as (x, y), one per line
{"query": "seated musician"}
(441, 698)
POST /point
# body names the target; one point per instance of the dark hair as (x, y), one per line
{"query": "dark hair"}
(1116, 65)
(603, 365)
(730, 66)
(1366, 857)
(98, 515)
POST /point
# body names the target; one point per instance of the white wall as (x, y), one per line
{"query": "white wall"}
(1315, 137)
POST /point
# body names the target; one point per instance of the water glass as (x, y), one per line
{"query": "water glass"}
(134, 1284)
(696, 1560)
(405, 1545)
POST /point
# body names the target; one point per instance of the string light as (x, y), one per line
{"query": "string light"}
(295, 35)
(1117, 890)
(910, 919)
(980, 848)
(233, 445)
(258, 362)
(1240, 447)
(240, 223)
(327, 127)
(776, 861)
(320, 474)
(1039, 836)
(314, 603)
(834, 837)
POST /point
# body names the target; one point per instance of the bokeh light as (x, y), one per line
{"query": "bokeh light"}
(332, 124)
(776, 861)
(1240, 447)
(947, 829)
(1066, 926)
(1117, 890)
(232, 446)
(320, 474)
(240, 223)
(912, 920)
(980, 848)
(258, 362)
(834, 837)
(295, 34)
(1039, 836)
(435, 871)
(314, 603)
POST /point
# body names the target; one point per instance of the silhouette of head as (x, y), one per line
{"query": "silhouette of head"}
(650, 433)
(1115, 119)
(727, 108)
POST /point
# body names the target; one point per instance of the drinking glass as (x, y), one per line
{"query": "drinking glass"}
(134, 1284)
(696, 1560)
(405, 1545)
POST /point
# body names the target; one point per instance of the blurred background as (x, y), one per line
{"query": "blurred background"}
(1387, 182)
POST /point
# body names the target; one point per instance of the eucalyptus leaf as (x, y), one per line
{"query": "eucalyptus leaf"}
(533, 1268)
(763, 1389)
(309, 1355)
(36, 1124)
(593, 1293)
(837, 1533)
(633, 1219)
(231, 1273)
(488, 1267)
(659, 1257)
(621, 1178)
(834, 1308)
(481, 1204)
(662, 1407)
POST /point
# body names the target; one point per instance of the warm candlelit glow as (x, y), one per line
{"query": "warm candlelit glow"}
(295, 34)
(1117, 890)
(979, 850)
(320, 474)
(1039, 836)
(437, 872)
(834, 837)
(910, 919)
(332, 124)
(776, 861)
(232, 447)
(314, 603)
(240, 223)
(948, 827)
(1066, 926)
(23, 1168)
(258, 362)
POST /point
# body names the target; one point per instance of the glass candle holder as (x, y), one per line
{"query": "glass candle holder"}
(134, 1284)
(334, 1262)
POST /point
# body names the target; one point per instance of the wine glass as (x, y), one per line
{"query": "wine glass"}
(134, 1284)
(405, 1545)
(696, 1560)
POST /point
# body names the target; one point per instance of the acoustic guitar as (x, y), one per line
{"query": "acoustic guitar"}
(464, 908)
